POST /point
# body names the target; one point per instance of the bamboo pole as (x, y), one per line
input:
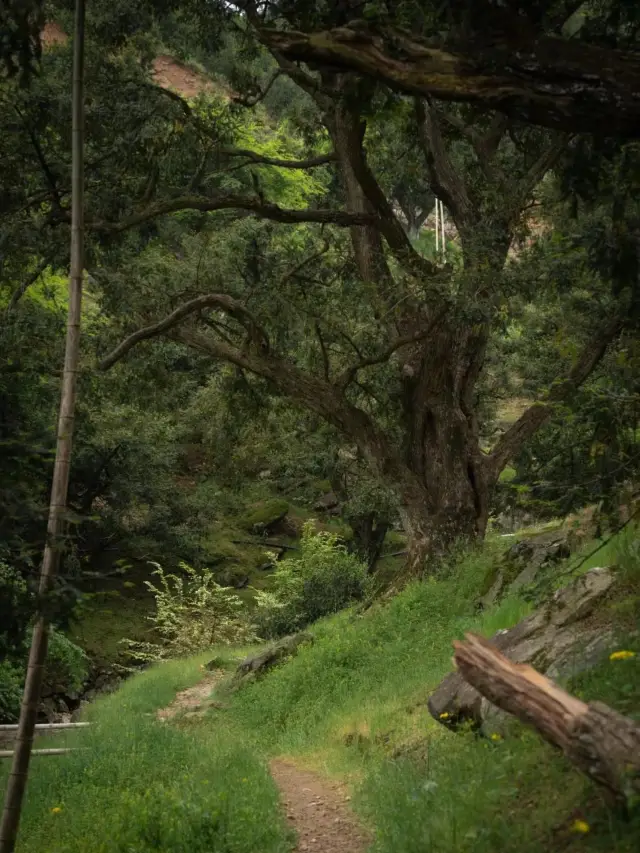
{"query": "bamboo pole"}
(17, 781)
(437, 227)
(444, 245)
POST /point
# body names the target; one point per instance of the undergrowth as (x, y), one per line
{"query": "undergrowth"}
(141, 785)
(353, 705)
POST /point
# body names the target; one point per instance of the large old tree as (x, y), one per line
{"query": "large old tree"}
(382, 341)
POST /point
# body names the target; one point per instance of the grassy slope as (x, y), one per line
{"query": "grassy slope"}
(146, 786)
(353, 705)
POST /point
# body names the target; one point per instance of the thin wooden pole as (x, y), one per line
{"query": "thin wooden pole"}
(437, 227)
(444, 245)
(16, 784)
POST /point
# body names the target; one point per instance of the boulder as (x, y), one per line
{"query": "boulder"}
(257, 664)
(558, 639)
(523, 564)
(326, 503)
(266, 517)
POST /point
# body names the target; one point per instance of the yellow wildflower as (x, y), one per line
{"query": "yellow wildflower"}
(56, 810)
(444, 716)
(580, 826)
(496, 736)
(621, 655)
(244, 780)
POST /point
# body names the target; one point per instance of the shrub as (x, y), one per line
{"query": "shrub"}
(67, 665)
(193, 612)
(325, 578)
(15, 611)
(11, 679)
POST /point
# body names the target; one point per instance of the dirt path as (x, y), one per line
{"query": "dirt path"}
(193, 701)
(317, 810)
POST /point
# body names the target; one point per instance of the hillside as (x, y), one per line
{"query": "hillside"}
(319, 428)
(349, 710)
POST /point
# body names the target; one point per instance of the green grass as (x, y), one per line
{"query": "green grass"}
(354, 705)
(144, 786)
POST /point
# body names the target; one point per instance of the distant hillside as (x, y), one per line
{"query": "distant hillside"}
(167, 71)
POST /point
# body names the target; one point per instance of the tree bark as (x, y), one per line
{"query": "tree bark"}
(601, 743)
(369, 531)
(28, 713)
(535, 78)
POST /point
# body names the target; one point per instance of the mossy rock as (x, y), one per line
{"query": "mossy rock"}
(265, 516)
(395, 540)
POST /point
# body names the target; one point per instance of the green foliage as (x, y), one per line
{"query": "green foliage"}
(67, 664)
(200, 792)
(324, 579)
(11, 686)
(15, 610)
(192, 613)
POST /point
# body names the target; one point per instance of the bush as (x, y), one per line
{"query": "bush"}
(193, 612)
(15, 612)
(11, 680)
(324, 579)
(67, 665)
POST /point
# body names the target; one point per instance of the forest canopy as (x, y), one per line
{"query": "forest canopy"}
(257, 257)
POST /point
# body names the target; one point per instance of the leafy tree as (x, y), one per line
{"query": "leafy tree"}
(339, 312)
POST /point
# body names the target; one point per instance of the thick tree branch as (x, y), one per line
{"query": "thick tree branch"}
(539, 79)
(388, 223)
(350, 374)
(226, 303)
(533, 418)
(230, 151)
(20, 291)
(260, 159)
(313, 393)
(445, 182)
(251, 204)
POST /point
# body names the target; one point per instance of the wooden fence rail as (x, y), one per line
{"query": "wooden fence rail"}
(8, 732)
(45, 727)
(8, 753)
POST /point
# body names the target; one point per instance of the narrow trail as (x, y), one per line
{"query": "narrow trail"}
(194, 701)
(317, 810)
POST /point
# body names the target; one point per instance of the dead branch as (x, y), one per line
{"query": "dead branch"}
(601, 743)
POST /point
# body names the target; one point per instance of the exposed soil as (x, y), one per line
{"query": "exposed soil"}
(168, 72)
(171, 74)
(194, 701)
(317, 810)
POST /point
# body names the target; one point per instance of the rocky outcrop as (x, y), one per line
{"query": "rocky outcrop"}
(560, 638)
(257, 664)
(524, 563)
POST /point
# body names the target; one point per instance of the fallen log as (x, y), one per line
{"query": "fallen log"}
(599, 741)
